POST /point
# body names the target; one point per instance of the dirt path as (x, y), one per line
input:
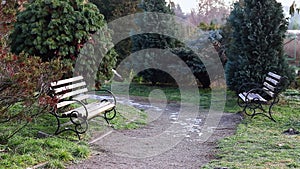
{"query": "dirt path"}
(166, 142)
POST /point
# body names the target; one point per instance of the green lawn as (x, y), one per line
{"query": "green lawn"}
(173, 93)
(260, 143)
(26, 150)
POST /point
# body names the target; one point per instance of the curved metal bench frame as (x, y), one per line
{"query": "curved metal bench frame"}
(259, 99)
(73, 91)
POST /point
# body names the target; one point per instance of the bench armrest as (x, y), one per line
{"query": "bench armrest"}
(247, 87)
(72, 113)
(104, 91)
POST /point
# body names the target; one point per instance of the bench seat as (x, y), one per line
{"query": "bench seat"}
(251, 97)
(93, 109)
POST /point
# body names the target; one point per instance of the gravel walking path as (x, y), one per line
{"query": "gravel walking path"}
(165, 142)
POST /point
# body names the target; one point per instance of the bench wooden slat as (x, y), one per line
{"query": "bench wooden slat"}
(242, 96)
(81, 110)
(70, 80)
(92, 113)
(69, 87)
(96, 105)
(274, 75)
(102, 109)
(270, 93)
(268, 86)
(66, 103)
(72, 93)
(273, 81)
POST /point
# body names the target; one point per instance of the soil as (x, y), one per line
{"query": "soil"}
(167, 141)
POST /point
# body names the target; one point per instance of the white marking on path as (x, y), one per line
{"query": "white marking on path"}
(101, 137)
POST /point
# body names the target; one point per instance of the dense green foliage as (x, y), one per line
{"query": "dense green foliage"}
(152, 40)
(97, 58)
(60, 29)
(115, 9)
(256, 47)
(54, 28)
(7, 16)
(149, 40)
(185, 64)
(194, 63)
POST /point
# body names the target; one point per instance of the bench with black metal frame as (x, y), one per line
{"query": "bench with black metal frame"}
(76, 103)
(258, 99)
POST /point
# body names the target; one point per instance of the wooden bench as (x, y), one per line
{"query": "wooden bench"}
(77, 104)
(258, 99)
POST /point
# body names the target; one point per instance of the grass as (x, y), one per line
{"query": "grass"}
(26, 150)
(130, 118)
(173, 93)
(260, 143)
(127, 118)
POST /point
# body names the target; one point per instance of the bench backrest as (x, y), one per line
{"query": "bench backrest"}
(74, 87)
(272, 84)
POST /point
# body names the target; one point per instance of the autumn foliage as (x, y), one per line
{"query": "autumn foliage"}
(24, 79)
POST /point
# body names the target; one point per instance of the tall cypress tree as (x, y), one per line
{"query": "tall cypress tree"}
(258, 31)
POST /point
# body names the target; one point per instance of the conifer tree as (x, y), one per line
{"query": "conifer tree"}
(151, 40)
(113, 10)
(59, 29)
(258, 31)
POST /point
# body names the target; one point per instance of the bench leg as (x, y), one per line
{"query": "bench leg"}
(79, 125)
(240, 102)
(252, 111)
(109, 115)
(270, 112)
(269, 115)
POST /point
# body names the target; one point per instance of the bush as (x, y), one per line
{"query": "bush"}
(97, 58)
(54, 28)
(60, 29)
(153, 40)
(208, 27)
(8, 10)
(115, 9)
(195, 64)
(188, 63)
(24, 83)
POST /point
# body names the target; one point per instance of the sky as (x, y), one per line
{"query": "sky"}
(187, 5)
